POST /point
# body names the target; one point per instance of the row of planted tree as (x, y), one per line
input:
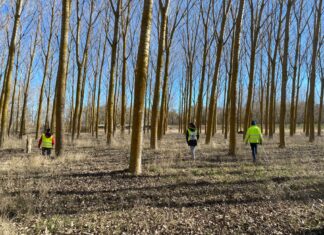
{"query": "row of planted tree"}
(232, 61)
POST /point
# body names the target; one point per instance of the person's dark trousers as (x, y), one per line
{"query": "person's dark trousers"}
(254, 148)
(46, 151)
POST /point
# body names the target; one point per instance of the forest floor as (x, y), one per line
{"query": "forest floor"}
(88, 191)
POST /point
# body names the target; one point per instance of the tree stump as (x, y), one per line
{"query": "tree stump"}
(28, 144)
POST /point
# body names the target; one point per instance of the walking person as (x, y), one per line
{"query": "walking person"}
(254, 137)
(192, 137)
(46, 142)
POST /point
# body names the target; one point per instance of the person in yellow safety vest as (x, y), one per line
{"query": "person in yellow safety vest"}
(254, 137)
(46, 142)
(192, 137)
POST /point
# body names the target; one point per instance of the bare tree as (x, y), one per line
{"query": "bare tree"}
(190, 44)
(46, 54)
(255, 26)
(27, 82)
(61, 77)
(237, 38)
(18, 108)
(311, 98)
(125, 29)
(319, 124)
(295, 66)
(14, 90)
(135, 165)
(81, 59)
(169, 37)
(284, 77)
(156, 99)
(8, 74)
(110, 105)
(100, 82)
(272, 115)
(220, 44)
(48, 93)
(206, 48)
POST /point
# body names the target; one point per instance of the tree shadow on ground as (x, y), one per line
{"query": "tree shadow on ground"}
(177, 195)
(316, 231)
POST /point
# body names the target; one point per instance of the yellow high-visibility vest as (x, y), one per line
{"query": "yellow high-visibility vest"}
(47, 142)
(192, 135)
(253, 135)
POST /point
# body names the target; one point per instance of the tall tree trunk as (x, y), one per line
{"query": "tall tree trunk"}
(72, 99)
(48, 99)
(255, 29)
(111, 95)
(8, 74)
(145, 108)
(125, 24)
(135, 165)
(224, 106)
(227, 107)
(81, 63)
(253, 101)
(124, 76)
(61, 77)
(190, 46)
(131, 110)
(240, 104)
(275, 114)
(3, 89)
(297, 95)
(305, 127)
(180, 106)
(190, 98)
(149, 106)
(163, 110)
(116, 100)
(266, 115)
(166, 116)
(84, 78)
(4, 75)
(237, 38)
(18, 108)
(185, 102)
(93, 110)
(29, 72)
(159, 65)
(47, 57)
(272, 115)
(297, 51)
(99, 86)
(284, 78)
(204, 62)
(311, 99)
(207, 101)
(228, 98)
(53, 119)
(319, 123)
(261, 92)
(88, 113)
(215, 117)
(77, 102)
(14, 92)
(220, 44)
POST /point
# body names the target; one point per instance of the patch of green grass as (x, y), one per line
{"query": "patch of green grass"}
(53, 225)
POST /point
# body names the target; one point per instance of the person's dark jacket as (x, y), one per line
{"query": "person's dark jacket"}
(192, 142)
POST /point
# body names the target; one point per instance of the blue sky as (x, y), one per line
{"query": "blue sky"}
(177, 73)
